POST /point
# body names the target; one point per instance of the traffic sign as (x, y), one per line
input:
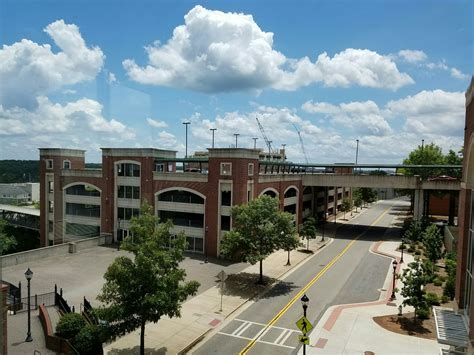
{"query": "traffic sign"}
(304, 325)
(303, 339)
(222, 276)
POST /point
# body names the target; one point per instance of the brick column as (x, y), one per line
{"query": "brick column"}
(3, 320)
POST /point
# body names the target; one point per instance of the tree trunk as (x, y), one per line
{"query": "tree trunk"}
(260, 281)
(307, 243)
(142, 338)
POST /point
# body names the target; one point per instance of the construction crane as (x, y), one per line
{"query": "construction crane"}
(301, 142)
(267, 142)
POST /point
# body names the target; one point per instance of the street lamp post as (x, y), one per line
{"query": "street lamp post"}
(422, 144)
(186, 124)
(357, 151)
(394, 264)
(213, 130)
(29, 276)
(236, 135)
(304, 302)
(255, 142)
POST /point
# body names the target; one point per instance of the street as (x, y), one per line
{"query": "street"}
(343, 272)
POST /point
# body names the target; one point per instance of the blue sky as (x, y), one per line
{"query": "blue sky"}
(388, 73)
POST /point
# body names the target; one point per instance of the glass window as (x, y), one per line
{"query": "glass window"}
(128, 169)
(80, 209)
(170, 167)
(226, 197)
(270, 193)
(182, 196)
(128, 192)
(226, 168)
(82, 190)
(159, 167)
(290, 193)
(136, 192)
(50, 206)
(50, 186)
(225, 223)
(183, 219)
(66, 164)
(121, 191)
(250, 169)
(198, 244)
(49, 163)
(50, 227)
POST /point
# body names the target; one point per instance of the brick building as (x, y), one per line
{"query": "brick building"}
(77, 203)
(465, 260)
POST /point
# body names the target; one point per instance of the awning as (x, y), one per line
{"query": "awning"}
(450, 327)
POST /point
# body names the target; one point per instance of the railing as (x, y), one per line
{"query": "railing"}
(88, 313)
(60, 302)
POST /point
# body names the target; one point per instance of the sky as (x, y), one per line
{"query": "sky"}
(92, 74)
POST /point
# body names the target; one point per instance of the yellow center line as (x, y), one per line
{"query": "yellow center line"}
(305, 288)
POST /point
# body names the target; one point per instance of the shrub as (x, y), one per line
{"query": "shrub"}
(417, 252)
(442, 278)
(444, 299)
(423, 313)
(88, 341)
(70, 325)
(411, 249)
(449, 287)
(432, 299)
(437, 282)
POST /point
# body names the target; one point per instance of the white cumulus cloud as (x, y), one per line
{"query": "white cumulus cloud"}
(29, 69)
(216, 51)
(456, 73)
(156, 123)
(412, 55)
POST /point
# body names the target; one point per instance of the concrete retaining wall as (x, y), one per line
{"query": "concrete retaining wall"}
(450, 237)
(55, 250)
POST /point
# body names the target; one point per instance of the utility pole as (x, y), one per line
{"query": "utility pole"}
(254, 143)
(236, 135)
(186, 124)
(213, 130)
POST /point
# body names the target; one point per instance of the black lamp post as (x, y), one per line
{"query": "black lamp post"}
(403, 248)
(29, 276)
(236, 135)
(324, 227)
(394, 264)
(304, 303)
(254, 143)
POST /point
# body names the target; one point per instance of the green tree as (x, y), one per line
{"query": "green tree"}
(430, 154)
(453, 158)
(6, 241)
(414, 233)
(346, 206)
(433, 242)
(149, 286)
(364, 194)
(257, 231)
(414, 278)
(308, 230)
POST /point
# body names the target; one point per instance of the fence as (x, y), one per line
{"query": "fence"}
(88, 313)
(19, 304)
(60, 302)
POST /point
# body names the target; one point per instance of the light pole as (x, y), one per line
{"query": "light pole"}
(394, 264)
(205, 245)
(304, 302)
(422, 144)
(254, 142)
(186, 124)
(213, 130)
(357, 151)
(29, 276)
(236, 135)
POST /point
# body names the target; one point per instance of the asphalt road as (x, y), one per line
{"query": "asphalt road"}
(344, 272)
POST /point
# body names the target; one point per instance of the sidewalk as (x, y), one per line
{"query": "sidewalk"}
(350, 329)
(202, 313)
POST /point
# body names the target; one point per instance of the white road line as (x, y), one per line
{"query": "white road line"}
(264, 325)
(258, 341)
(283, 333)
(240, 327)
(243, 329)
(285, 338)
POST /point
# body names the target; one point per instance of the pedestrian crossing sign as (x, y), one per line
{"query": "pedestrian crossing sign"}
(304, 325)
(304, 339)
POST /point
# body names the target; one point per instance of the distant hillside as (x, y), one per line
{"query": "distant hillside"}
(25, 170)
(19, 171)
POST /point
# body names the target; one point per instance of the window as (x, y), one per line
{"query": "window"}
(50, 206)
(50, 186)
(83, 210)
(159, 167)
(66, 164)
(183, 219)
(170, 167)
(49, 164)
(226, 197)
(250, 169)
(181, 196)
(127, 213)
(50, 227)
(226, 168)
(270, 193)
(225, 223)
(290, 193)
(82, 190)
(128, 169)
(130, 192)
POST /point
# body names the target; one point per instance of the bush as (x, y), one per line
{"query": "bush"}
(423, 313)
(417, 252)
(432, 299)
(442, 278)
(449, 287)
(70, 325)
(437, 282)
(444, 299)
(88, 341)
(411, 249)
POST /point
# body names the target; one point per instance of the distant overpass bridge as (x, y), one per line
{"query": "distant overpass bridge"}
(21, 216)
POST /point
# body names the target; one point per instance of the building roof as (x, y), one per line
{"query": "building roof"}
(12, 190)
